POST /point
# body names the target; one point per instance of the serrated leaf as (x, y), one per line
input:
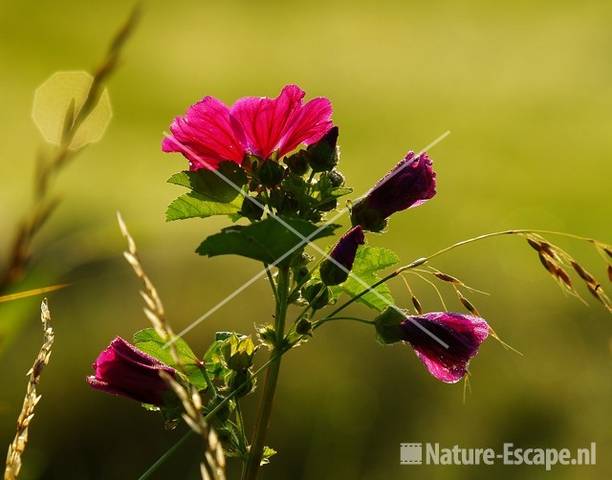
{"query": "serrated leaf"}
(218, 186)
(266, 240)
(368, 262)
(150, 342)
(193, 204)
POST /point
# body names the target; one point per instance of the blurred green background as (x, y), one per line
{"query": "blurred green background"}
(525, 87)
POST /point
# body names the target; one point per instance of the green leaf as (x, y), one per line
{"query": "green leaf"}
(368, 262)
(266, 240)
(193, 204)
(267, 453)
(215, 360)
(213, 193)
(214, 185)
(150, 342)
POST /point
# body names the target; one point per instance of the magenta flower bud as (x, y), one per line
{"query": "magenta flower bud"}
(124, 370)
(411, 182)
(344, 253)
(461, 334)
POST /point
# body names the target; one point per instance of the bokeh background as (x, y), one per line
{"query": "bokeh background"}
(525, 87)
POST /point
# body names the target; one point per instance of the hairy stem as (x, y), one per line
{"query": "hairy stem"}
(332, 319)
(265, 407)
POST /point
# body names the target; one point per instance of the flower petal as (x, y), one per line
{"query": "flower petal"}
(308, 125)
(445, 342)
(264, 120)
(206, 135)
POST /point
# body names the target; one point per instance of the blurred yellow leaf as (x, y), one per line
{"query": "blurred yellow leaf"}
(30, 293)
(63, 94)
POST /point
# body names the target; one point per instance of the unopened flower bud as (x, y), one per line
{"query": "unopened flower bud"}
(251, 209)
(336, 178)
(122, 369)
(270, 173)
(323, 155)
(336, 271)
(251, 162)
(409, 184)
(301, 274)
(242, 382)
(388, 326)
(238, 352)
(316, 294)
(304, 326)
(298, 162)
(267, 334)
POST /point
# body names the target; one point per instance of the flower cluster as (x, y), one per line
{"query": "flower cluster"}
(272, 165)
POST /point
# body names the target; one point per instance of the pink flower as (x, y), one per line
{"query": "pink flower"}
(461, 333)
(444, 341)
(122, 369)
(211, 133)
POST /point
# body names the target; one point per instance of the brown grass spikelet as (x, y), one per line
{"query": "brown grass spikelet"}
(417, 305)
(552, 258)
(17, 447)
(598, 292)
(415, 301)
(467, 304)
(50, 165)
(582, 273)
(534, 244)
(446, 277)
(213, 466)
(564, 278)
(547, 264)
(543, 247)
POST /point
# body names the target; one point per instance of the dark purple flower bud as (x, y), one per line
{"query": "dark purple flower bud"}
(445, 342)
(411, 182)
(323, 155)
(344, 253)
(124, 370)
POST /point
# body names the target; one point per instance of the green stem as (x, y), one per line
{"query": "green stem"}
(271, 280)
(269, 388)
(353, 319)
(207, 417)
(240, 424)
(309, 182)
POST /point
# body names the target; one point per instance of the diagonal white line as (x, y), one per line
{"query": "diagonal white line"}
(252, 280)
(305, 240)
